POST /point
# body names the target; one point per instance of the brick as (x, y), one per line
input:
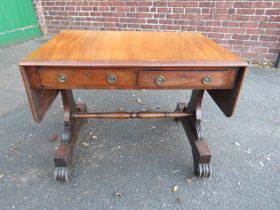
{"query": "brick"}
(272, 32)
(242, 4)
(221, 17)
(255, 31)
(275, 51)
(269, 25)
(241, 48)
(272, 12)
(274, 19)
(145, 3)
(187, 28)
(91, 3)
(163, 21)
(220, 29)
(240, 37)
(119, 14)
(126, 20)
(173, 16)
(190, 4)
(205, 11)
(131, 3)
(259, 12)
(251, 43)
(235, 42)
(101, 9)
(175, 4)
(213, 23)
(204, 28)
(173, 27)
(245, 11)
(160, 15)
(193, 10)
(118, 3)
(164, 10)
(276, 4)
(160, 4)
(133, 25)
(224, 4)
(106, 3)
(269, 56)
(239, 18)
(132, 9)
(251, 55)
(259, 18)
(121, 25)
(237, 30)
(218, 11)
(146, 26)
(153, 9)
(248, 25)
(268, 38)
(216, 35)
(152, 21)
(160, 27)
(262, 4)
(107, 14)
(122, 9)
(181, 22)
(231, 24)
(178, 10)
(259, 49)
(142, 9)
(139, 20)
(207, 4)
(204, 17)
(254, 37)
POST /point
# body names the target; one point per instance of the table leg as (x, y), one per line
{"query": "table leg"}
(63, 159)
(192, 126)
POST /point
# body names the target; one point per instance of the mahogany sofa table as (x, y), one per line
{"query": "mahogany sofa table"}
(131, 60)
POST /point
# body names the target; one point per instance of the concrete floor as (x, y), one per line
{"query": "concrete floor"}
(142, 160)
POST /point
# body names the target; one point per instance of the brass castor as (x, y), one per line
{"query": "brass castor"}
(202, 170)
(61, 174)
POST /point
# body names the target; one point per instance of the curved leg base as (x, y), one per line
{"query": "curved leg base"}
(192, 127)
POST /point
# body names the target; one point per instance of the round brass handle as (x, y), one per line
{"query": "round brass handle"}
(207, 80)
(160, 80)
(62, 78)
(111, 78)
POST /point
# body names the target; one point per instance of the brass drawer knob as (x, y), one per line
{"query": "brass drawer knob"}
(62, 78)
(111, 78)
(160, 80)
(207, 80)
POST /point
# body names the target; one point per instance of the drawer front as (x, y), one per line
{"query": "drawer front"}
(80, 78)
(187, 79)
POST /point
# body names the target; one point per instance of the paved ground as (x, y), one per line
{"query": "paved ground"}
(142, 160)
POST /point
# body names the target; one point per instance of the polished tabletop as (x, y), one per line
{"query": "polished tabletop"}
(130, 48)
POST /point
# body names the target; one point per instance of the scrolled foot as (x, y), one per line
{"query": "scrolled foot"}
(61, 174)
(202, 170)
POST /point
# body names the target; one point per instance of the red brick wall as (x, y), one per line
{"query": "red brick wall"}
(248, 28)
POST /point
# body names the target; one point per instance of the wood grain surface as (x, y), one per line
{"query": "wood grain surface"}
(97, 48)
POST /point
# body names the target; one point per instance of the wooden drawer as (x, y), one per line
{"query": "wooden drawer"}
(223, 79)
(83, 78)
